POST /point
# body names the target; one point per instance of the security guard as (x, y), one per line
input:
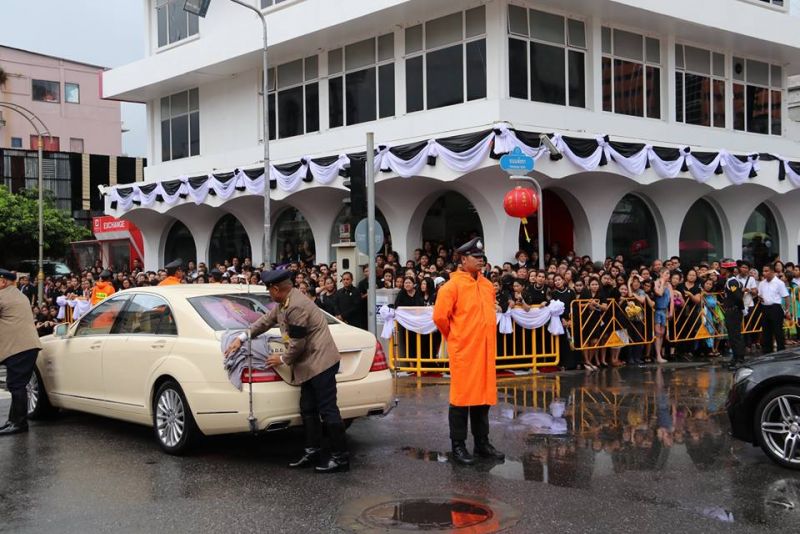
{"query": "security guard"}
(313, 358)
(465, 315)
(103, 288)
(19, 346)
(733, 306)
(174, 273)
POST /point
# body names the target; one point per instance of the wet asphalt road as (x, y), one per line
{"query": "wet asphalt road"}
(645, 450)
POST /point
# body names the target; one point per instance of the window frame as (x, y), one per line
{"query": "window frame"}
(158, 4)
(770, 4)
(424, 51)
(188, 114)
(725, 78)
(275, 4)
(644, 63)
(273, 92)
(118, 323)
(567, 47)
(376, 65)
(770, 87)
(58, 93)
(125, 299)
(76, 85)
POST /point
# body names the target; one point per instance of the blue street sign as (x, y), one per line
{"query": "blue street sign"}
(362, 241)
(516, 161)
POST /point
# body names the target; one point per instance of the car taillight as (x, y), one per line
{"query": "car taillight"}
(260, 375)
(379, 362)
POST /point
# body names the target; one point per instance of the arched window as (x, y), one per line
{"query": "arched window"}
(701, 235)
(760, 241)
(294, 240)
(632, 231)
(179, 244)
(228, 240)
(452, 220)
(559, 229)
(344, 230)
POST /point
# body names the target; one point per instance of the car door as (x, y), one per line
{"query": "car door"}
(144, 336)
(77, 361)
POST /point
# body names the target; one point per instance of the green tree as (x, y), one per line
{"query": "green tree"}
(19, 226)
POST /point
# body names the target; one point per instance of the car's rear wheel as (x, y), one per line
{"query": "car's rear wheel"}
(777, 420)
(39, 406)
(173, 423)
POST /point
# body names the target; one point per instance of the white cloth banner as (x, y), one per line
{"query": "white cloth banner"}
(420, 320)
(79, 307)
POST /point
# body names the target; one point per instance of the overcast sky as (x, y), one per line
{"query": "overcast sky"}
(101, 32)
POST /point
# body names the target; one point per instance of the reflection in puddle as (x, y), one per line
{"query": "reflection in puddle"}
(429, 514)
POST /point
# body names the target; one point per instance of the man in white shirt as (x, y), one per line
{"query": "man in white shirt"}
(749, 286)
(775, 303)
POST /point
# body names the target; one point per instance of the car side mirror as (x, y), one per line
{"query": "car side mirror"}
(61, 330)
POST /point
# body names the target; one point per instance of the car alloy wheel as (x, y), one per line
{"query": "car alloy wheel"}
(170, 418)
(780, 428)
(34, 394)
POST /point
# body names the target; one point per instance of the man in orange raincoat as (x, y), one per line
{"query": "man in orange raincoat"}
(174, 273)
(465, 315)
(103, 288)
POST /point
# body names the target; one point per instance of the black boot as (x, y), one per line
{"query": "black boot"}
(461, 455)
(339, 460)
(313, 430)
(484, 449)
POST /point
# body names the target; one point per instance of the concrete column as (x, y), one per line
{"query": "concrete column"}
(787, 206)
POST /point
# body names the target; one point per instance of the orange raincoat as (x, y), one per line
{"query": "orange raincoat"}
(465, 315)
(102, 290)
(170, 281)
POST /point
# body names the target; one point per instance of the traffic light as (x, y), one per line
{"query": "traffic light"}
(357, 184)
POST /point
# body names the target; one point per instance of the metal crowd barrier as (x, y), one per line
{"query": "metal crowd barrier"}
(596, 329)
(694, 321)
(522, 349)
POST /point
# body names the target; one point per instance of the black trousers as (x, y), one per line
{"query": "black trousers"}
(318, 397)
(19, 368)
(478, 418)
(568, 358)
(733, 324)
(772, 328)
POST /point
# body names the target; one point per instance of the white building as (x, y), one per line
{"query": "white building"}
(655, 76)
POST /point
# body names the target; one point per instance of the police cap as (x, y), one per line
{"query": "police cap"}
(8, 275)
(728, 263)
(173, 266)
(275, 277)
(473, 247)
(105, 275)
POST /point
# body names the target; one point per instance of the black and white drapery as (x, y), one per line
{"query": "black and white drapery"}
(462, 154)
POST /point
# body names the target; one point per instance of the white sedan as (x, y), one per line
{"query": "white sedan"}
(153, 356)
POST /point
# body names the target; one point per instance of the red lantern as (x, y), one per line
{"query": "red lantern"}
(521, 203)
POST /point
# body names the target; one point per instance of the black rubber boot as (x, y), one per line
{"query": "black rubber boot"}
(461, 455)
(17, 415)
(484, 449)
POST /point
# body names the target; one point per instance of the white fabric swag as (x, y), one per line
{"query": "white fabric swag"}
(501, 139)
(420, 320)
(79, 307)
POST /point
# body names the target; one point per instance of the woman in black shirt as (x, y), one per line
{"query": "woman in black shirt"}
(561, 292)
(536, 292)
(327, 297)
(409, 296)
(427, 292)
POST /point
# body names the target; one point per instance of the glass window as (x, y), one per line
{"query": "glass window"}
(45, 91)
(518, 20)
(295, 90)
(365, 90)
(414, 39)
(100, 320)
(270, 3)
(173, 23)
(700, 90)
(631, 74)
(76, 144)
(632, 231)
(760, 241)
(147, 315)
(550, 66)
(180, 125)
(16, 142)
(232, 312)
(228, 240)
(450, 67)
(293, 238)
(701, 235)
(757, 108)
(72, 93)
(180, 243)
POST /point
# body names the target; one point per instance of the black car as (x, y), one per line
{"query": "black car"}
(764, 406)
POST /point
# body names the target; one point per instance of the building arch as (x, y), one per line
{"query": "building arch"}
(633, 230)
(179, 244)
(292, 237)
(701, 237)
(761, 238)
(451, 219)
(228, 239)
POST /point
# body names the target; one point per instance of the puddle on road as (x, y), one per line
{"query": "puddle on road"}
(428, 514)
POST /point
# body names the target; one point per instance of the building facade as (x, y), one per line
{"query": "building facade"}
(65, 95)
(670, 119)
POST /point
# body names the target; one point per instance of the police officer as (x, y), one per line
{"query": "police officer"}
(733, 306)
(19, 346)
(313, 359)
(174, 273)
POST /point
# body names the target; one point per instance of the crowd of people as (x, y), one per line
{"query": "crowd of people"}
(665, 286)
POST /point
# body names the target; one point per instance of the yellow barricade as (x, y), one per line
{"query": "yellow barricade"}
(522, 349)
(751, 323)
(795, 304)
(594, 328)
(694, 321)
